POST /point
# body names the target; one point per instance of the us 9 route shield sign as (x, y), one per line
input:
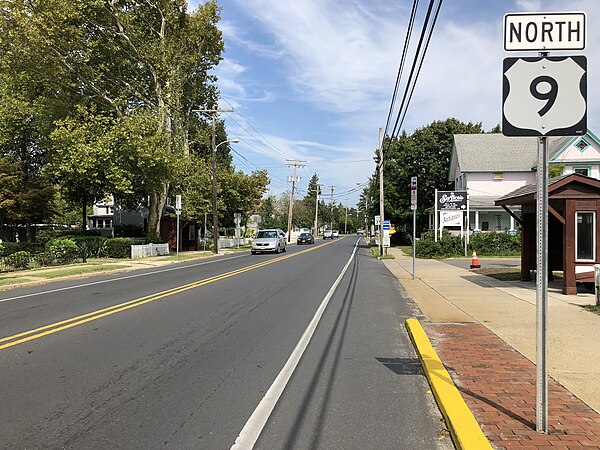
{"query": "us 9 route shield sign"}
(544, 96)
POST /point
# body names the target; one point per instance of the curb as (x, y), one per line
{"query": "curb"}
(465, 430)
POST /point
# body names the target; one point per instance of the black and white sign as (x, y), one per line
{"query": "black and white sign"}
(451, 200)
(544, 96)
(544, 31)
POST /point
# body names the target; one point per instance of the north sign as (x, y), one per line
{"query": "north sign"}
(544, 31)
(544, 96)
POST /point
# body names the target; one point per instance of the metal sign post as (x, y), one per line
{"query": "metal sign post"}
(544, 97)
(413, 206)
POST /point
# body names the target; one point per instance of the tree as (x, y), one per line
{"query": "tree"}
(424, 154)
(125, 58)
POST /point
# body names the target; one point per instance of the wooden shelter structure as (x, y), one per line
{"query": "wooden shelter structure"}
(573, 238)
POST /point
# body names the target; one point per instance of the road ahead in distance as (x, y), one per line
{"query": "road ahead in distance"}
(182, 357)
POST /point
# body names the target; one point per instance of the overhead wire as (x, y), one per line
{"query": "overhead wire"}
(419, 57)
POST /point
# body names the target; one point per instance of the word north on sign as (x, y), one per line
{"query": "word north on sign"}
(544, 31)
(544, 96)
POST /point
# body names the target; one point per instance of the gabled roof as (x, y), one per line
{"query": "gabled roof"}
(492, 152)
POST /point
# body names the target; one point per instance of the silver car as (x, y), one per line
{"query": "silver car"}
(270, 240)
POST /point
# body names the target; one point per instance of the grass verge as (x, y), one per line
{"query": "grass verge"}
(14, 280)
(592, 308)
(501, 273)
(79, 270)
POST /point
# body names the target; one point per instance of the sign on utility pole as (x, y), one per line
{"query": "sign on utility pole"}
(543, 97)
(386, 234)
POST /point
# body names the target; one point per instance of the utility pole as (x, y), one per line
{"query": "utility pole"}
(214, 113)
(295, 163)
(316, 230)
(331, 206)
(381, 211)
(346, 221)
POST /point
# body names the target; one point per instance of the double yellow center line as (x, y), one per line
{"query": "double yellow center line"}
(45, 330)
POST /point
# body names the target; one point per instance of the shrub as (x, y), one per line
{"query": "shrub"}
(8, 248)
(153, 238)
(93, 246)
(44, 259)
(42, 237)
(496, 244)
(118, 247)
(446, 247)
(18, 260)
(64, 250)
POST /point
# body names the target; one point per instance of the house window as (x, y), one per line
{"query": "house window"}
(582, 171)
(585, 239)
(582, 144)
(498, 176)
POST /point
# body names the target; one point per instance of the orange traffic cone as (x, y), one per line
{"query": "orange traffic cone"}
(475, 261)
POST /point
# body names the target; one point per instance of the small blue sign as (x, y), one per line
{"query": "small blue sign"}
(386, 224)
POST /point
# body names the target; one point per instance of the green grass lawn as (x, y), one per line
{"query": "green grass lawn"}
(501, 273)
(13, 280)
(68, 271)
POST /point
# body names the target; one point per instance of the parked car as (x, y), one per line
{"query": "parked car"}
(336, 233)
(328, 234)
(305, 238)
(270, 240)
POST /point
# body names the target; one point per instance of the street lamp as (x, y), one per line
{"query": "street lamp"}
(214, 188)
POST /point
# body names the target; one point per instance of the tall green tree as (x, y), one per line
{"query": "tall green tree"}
(424, 154)
(127, 58)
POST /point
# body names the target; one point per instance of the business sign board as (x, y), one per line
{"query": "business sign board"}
(544, 31)
(451, 218)
(451, 200)
(544, 96)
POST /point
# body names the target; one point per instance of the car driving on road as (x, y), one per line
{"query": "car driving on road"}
(270, 240)
(328, 234)
(305, 238)
(336, 233)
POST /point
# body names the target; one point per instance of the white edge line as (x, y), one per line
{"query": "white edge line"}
(51, 291)
(255, 424)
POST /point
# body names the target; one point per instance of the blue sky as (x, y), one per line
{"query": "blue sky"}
(313, 79)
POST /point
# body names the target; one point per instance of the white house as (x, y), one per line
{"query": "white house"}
(491, 165)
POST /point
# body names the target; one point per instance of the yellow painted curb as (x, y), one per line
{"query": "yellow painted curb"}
(465, 430)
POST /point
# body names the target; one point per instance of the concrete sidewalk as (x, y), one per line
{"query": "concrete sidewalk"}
(478, 313)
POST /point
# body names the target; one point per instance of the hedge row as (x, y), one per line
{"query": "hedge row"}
(61, 250)
(486, 244)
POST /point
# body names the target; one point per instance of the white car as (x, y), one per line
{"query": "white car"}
(328, 234)
(336, 233)
(270, 240)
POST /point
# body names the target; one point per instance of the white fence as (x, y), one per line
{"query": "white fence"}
(141, 251)
(232, 242)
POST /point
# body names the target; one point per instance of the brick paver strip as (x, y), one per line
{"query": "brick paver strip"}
(498, 384)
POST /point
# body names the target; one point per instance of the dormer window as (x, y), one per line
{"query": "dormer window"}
(582, 144)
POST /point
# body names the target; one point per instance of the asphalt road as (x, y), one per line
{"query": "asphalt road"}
(182, 357)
